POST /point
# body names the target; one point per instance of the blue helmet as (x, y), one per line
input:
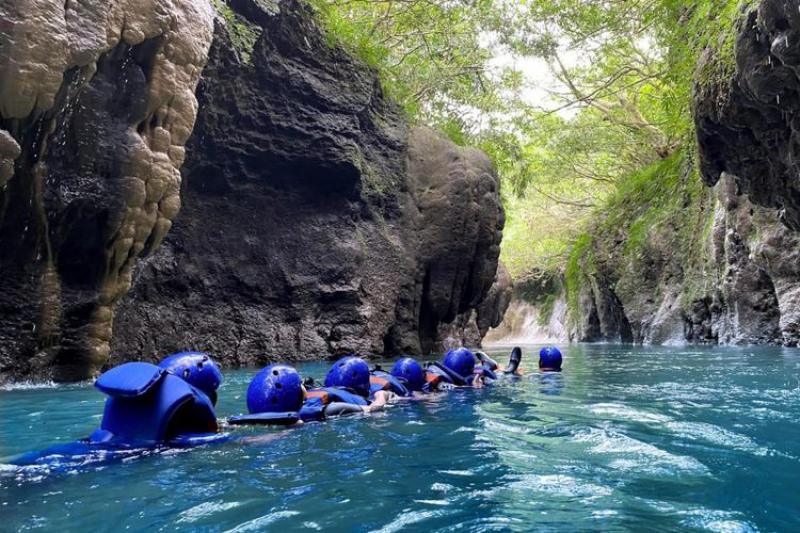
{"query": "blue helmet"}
(197, 369)
(276, 389)
(460, 361)
(550, 358)
(350, 372)
(410, 371)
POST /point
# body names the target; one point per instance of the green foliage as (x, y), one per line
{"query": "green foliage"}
(428, 53)
(580, 263)
(546, 308)
(243, 33)
(644, 200)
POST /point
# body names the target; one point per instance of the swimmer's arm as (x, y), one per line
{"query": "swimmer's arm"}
(380, 400)
(265, 438)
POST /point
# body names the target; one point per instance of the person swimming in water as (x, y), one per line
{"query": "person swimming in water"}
(460, 368)
(550, 359)
(148, 406)
(511, 369)
(277, 395)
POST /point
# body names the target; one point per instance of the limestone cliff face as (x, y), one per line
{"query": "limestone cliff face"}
(747, 128)
(314, 222)
(729, 276)
(472, 327)
(741, 287)
(96, 104)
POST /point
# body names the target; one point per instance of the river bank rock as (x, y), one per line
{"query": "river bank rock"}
(314, 221)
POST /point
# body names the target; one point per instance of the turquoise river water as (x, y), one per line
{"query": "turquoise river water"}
(625, 439)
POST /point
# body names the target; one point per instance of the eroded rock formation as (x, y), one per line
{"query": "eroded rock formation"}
(740, 285)
(313, 222)
(470, 328)
(96, 104)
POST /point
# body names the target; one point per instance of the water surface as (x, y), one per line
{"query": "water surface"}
(625, 439)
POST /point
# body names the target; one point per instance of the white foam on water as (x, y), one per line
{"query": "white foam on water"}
(561, 485)
(717, 521)
(605, 513)
(404, 519)
(465, 429)
(442, 487)
(700, 431)
(260, 523)
(620, 411)
(205, 509)
(312, 525)
(30, 385)
(434, 502)
(637, 455)
(462, 473)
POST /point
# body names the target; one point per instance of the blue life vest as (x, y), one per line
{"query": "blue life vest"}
(317, 399)
(485, 371)
(149, 405)
(448, 376)
(380, 380)
(146, 406)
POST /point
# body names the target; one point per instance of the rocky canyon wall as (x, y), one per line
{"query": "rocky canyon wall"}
(313, 220)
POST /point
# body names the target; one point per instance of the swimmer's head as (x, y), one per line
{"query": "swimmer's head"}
(350, 372)
(197, 369)
(276, 389)
(550, 358)
(410, 371)
(460, 361)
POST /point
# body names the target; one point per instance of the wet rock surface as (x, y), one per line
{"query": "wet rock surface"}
(747, 129)
(96, 104)
(314, 222)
